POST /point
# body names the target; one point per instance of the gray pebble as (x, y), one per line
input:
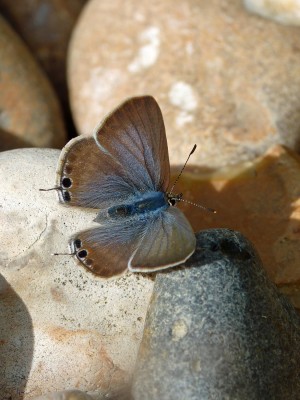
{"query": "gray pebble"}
(219, 329)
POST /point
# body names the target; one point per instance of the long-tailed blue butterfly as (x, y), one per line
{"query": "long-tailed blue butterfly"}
(124, 171)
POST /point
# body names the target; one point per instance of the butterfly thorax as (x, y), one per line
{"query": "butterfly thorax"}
(146, 203)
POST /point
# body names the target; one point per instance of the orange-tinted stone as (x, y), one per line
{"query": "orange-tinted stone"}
(225, 79)
(259, 199)
(29, 108)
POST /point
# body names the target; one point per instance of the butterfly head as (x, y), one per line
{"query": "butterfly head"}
(173, 199)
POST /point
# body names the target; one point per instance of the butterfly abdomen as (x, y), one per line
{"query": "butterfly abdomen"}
(147, 203)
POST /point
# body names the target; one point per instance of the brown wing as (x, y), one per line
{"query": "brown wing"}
(134, 134)
(88, 177)
(141, 245)
(105, 250)
(128, 155)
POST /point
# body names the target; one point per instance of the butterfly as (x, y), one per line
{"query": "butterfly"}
(124, 171)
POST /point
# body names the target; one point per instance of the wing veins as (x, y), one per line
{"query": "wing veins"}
(141, 139)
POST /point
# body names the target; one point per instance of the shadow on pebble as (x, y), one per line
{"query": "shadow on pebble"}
(218, 328)
(16, 343)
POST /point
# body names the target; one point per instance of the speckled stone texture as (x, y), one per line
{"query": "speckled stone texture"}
(65, 395)
(78, 395)
(219, 329)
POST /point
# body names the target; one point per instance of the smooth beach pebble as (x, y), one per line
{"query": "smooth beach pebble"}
(62, 327)
(46, 27)
(219, 329)
(216, 70)
(284, 11)
(28, 104)
(9, 141)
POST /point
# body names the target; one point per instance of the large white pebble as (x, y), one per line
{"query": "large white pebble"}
(61, 326)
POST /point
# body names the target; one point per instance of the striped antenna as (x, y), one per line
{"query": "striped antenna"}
(176, 180)
(200, 206)
(180, 198)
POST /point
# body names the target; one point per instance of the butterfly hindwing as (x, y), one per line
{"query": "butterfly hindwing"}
(168, 241)
(142, 245)
(105, 250)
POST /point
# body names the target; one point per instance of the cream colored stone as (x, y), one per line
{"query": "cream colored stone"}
(224, 79)
(61, 327)
(284, 11)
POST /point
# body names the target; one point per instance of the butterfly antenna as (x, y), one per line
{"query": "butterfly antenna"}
(199, 205)
(63, 254)
(176, 180)
(47, 190)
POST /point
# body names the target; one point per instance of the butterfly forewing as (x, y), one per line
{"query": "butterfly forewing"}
(134, 135)
(128, 155)
(88, 177)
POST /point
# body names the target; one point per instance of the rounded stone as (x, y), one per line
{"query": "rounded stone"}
(283, 11)
(217, 73)
(219, 329)
(63, 327)
(10, 141)
(29, 108)
(46, 27)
